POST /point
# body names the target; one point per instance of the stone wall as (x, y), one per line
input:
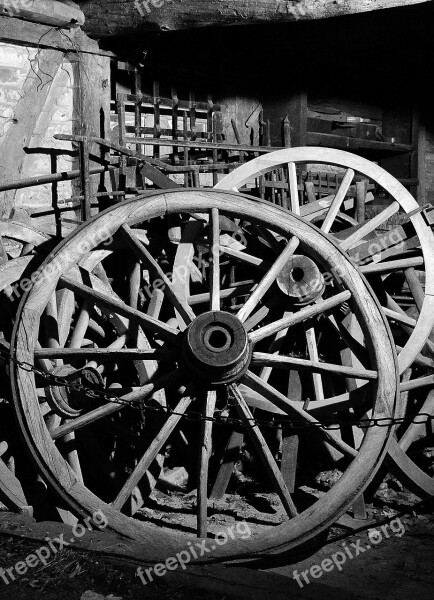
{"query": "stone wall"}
(35, 121)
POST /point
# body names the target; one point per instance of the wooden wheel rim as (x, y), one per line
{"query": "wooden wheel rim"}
(58, 473)
(264, 164)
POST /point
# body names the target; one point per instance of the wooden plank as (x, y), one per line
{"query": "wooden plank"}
(199, 144)
(348, 143)
(25, 33)
(48, 12)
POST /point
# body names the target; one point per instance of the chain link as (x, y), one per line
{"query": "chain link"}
(195, 416)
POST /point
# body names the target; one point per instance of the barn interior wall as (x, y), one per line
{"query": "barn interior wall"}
(371, 64)
(21, 76)
(44, 92)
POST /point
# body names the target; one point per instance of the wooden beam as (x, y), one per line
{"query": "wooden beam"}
(48, 12)
(25, 33)
(151, 15)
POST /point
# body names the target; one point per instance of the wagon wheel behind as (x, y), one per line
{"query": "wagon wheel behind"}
(393, 258)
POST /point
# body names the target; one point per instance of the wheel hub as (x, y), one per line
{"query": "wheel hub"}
(301, 280)
(67, 401)
(217, 349)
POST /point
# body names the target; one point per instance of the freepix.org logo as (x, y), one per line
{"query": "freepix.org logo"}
(145, 7)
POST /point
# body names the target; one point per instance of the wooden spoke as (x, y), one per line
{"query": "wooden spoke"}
(415, 384)
(231, 454)
(81, 327)
(121, 308)
(274, 350)
(299, 364)
(392, 265)
(155, 304)
(356, 347)
(263, 450)
(247, 258)
(205, 454)
(106, 353)
(151, 453)
(72, 457)
(369, 226)
(232, 292)
(268, 280)
(415, 285)
(337, 201)
(143, 253)
(51, 323)
(134, 285)
(293, 410)
(293, 188)
(416, 431)
(214, 249)
(312, 350)
(399, 318)
(404, 320)
(420, 360)
(113, 407)
(262, 313)
(302, 315)
(269, 237)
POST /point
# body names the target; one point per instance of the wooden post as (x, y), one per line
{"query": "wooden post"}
(85, 176)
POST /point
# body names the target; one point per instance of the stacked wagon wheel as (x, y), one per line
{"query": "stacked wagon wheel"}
(23, 246)
(18, 239)
(394, 249)
(145, 364)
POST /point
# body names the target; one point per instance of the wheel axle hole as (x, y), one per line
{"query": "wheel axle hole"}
(217, 339)
(297, 274)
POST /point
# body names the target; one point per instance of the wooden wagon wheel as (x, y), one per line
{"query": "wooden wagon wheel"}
(374, 253)
(11, 270)
(404, 253)
(210, 355)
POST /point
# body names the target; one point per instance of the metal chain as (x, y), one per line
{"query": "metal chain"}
(195, 416)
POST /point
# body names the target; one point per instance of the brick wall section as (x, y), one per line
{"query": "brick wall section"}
(57, 116)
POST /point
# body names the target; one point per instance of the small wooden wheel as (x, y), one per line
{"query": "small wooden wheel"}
(220, 340)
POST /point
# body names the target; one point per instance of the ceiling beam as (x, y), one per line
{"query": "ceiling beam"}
(115, 17)
(47, 12)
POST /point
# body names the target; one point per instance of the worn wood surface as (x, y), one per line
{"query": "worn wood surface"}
(49, 12)
(151, 15)
(26, 33)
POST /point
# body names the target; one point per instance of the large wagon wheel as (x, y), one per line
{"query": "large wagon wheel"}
(389, 257)
(210, 356)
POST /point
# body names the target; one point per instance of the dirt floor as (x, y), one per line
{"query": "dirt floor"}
(393, 561)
